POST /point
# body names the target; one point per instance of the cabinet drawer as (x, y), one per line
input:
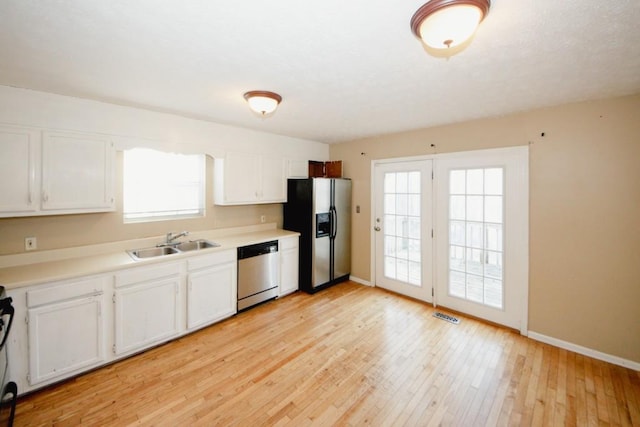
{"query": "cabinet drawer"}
(66, 291)
(203, 261)
(143, 274)
(288, 243)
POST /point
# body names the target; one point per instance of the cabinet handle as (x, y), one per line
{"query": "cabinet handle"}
(45, 196)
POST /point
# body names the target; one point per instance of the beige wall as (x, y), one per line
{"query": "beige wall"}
(63, 231)
(584, 212)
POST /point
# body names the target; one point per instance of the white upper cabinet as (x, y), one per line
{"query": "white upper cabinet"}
(245, 178)
(49, 173)
(273, 181)
(77, 172)
(297, 168)
(19, 171)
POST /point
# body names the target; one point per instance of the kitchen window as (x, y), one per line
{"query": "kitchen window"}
(162, 186)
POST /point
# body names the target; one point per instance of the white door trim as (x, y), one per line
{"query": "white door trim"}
(519, 152)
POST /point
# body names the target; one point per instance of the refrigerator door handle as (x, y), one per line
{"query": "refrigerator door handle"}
(334, 223)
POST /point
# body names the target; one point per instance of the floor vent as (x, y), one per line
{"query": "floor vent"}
(446, 317)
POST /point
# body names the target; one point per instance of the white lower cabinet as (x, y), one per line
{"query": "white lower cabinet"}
(211, 288)
(71, 325)
(289, 256)
(146, 303)
(65, 329)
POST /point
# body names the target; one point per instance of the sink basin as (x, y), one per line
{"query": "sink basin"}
(195, 245)
(156, 251)
(152, 252)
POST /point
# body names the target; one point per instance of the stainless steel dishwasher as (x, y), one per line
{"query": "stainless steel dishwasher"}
(257, 273)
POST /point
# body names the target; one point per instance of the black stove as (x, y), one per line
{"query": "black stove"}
(9, 388)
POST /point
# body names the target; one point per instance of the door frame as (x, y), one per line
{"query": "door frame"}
(523, 249)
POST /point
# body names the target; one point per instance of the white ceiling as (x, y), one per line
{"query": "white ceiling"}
(346, 69)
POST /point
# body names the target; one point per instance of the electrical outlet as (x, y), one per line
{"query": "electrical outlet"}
(30, 243)
(263, 218)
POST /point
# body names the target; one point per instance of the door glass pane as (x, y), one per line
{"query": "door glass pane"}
(458, 182)
(493, 181)
(475, 181)
(456, 258)
(493, 209)
(476, 213)
(456, 233)
(389, 203)
(402, 227)
(401, 182)
(457, 207)
(402, 204)
(474, 208)
(389, 183)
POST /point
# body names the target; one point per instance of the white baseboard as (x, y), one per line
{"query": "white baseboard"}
(585, 351)
(359, 280)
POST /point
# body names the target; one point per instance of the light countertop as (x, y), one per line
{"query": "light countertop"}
(31, 269)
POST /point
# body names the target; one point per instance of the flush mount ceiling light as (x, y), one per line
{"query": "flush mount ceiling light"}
(263, 102)
(444, 25)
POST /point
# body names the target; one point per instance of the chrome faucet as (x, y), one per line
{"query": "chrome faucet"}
(173, 236)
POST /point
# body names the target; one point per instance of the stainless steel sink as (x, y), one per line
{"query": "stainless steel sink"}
(152, 252)
(196, 245)
(164, 250)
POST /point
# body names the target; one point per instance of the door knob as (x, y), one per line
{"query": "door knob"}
(377, 228)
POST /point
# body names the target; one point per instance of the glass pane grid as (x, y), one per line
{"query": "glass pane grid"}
(401, 225)
(476, 235)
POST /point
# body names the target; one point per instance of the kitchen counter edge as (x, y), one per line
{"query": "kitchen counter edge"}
(52, 271)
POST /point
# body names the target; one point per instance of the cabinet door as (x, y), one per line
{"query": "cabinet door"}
(211, 295)
(272, 180)
(146, 314)
(65, 338)
(19, 170)
(77, 172)
(240, 179)
(288, 265)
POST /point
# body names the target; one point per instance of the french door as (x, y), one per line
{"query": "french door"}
(403, 218)
(478, 257)
(482, 234)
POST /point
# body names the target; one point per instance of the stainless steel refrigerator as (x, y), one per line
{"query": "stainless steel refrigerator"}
(320, 210)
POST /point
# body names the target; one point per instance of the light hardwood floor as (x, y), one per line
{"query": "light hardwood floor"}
(349, 355)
